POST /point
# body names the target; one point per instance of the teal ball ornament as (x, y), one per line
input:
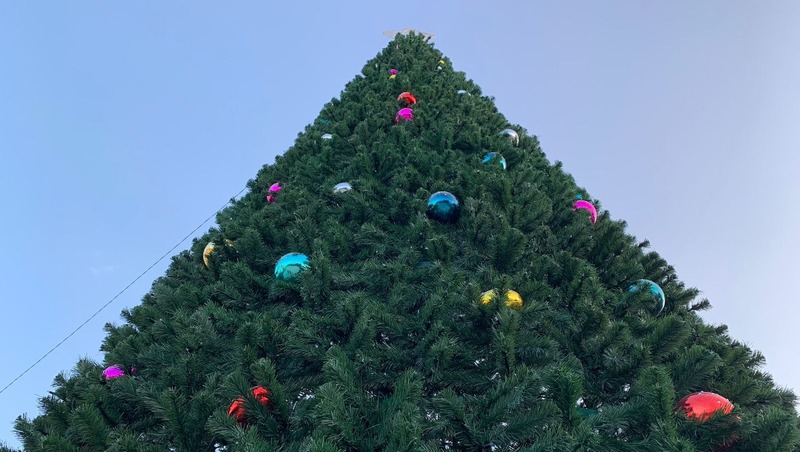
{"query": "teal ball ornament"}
(653, 288)
(495, 158)
(443, 207)
(289, 267)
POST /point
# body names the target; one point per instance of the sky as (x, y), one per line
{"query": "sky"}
(123, 127)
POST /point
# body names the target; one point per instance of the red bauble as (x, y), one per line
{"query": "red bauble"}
(237, 407)
(408, 98)
(701, 406)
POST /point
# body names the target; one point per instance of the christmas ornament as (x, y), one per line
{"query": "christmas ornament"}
(513, 298)
(326, 136)
(441, 63)
(443, 207)
(236, 409)
(289, 267)
(655, 290)
(463, 91)
(273, 191)
(512, 135)
(113, 372)
(581, 204)
(342, 187)
(408, 98)
(393, 73)
(323, 121)
(209, 249)
(207, 253)
(494, 157)
(701, 406)
(406, 114)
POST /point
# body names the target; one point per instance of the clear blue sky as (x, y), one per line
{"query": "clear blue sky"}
(122, 127)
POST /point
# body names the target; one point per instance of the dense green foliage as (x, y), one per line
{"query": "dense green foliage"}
(382, 344)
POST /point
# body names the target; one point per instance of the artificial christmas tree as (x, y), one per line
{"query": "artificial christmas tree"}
(378, 338)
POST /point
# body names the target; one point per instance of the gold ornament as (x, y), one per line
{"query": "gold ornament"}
(210, 249)
(207, 253)
(513, 298)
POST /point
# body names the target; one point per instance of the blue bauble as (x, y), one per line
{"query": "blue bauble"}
(342, 187)
(290, 266)
(444, 207)
(494, 158)
(653, 288)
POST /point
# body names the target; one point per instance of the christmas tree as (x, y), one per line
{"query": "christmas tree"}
(413, 274)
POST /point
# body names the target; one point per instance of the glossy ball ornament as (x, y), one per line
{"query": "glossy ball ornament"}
(207, 254)
(406, 114)
(512, 135)
(495, 158)
(393, 74)
(113, 372)
(408, 98)
(237, 409)
(512, 299)
(701, 406)
(653, 288)
(327, 136)
(443, 207)
(586, 205)
(342, 187)
(289, 267)
(463, 91)
(209, 250)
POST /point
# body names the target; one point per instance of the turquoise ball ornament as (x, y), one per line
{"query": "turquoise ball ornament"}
(495, 158)
(289, 267)
(443, 207)
(653, 288)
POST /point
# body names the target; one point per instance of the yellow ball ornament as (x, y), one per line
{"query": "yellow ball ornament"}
(207, 253)
(210, 249)
(513, 298)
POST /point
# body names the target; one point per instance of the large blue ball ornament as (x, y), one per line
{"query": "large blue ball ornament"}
(653, 288)
(290, 266)
(443, 207)
(495, 158)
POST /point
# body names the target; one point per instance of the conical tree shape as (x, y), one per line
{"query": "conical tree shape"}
(384, 342)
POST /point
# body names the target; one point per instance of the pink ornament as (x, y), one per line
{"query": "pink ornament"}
(393, 71)
(113, 372)
(275, 188)
(271, 198)
(406, 114)
(581, 204)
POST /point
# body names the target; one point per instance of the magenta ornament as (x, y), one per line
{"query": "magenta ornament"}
(113, 372)
(406, 114)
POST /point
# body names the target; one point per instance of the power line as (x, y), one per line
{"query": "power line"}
(119, 293)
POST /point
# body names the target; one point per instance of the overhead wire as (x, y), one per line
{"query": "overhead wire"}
(108, 303)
